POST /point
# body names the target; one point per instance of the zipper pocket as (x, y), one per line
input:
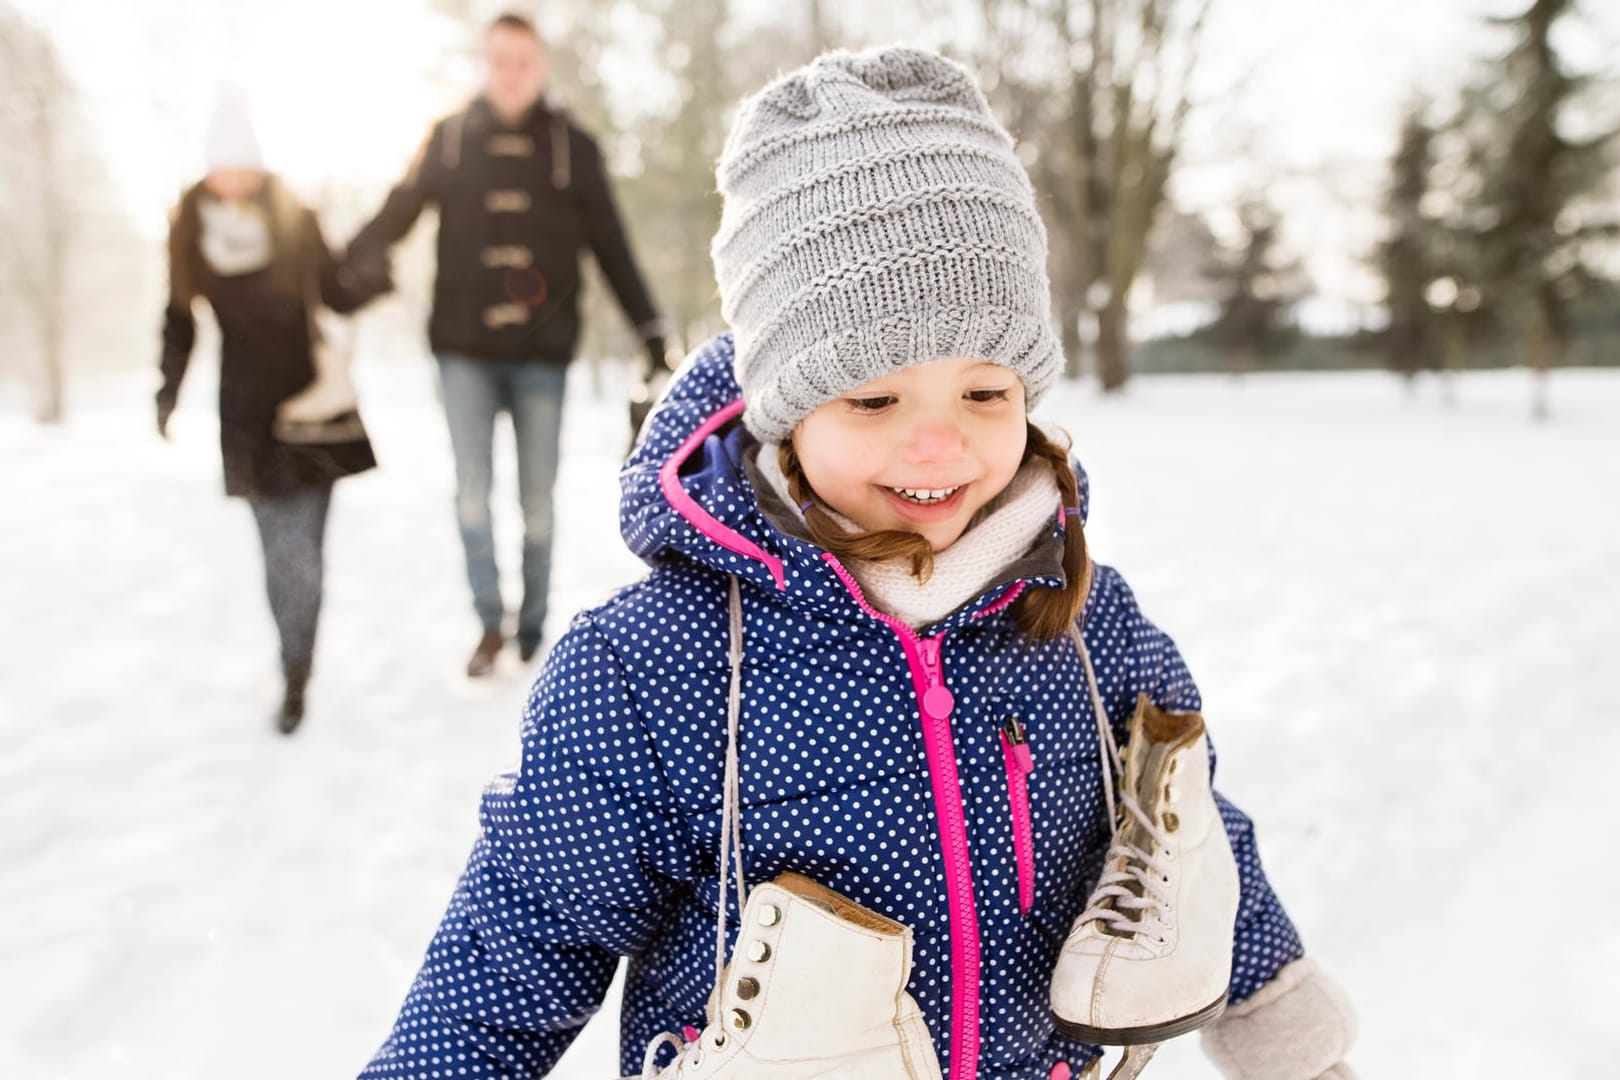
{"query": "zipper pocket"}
(1020, 763)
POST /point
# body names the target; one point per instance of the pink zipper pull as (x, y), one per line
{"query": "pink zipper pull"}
(937, 700)
(1018, 745)
(1020, 763)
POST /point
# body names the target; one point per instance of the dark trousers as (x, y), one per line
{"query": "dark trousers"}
(292, 528)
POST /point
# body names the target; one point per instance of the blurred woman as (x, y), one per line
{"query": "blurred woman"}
(242, 241)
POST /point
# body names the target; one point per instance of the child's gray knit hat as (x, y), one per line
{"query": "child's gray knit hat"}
(875, 217)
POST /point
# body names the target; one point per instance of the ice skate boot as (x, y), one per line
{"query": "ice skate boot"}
(815, 988)
(1151, 955)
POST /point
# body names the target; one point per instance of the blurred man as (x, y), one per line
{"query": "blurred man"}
(520, 191)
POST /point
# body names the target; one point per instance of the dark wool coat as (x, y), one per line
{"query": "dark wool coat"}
(517, 207)
(266, 329)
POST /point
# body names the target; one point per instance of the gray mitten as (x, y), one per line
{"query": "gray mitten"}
(1296, 1027)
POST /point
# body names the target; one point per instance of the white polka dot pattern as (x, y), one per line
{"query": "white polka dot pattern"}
(605, 842)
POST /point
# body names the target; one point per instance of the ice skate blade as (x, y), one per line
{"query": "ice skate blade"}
(1130, 1066)
(1137, 1036)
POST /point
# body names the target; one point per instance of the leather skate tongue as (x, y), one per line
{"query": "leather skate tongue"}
(1154, 736)
(840, 906)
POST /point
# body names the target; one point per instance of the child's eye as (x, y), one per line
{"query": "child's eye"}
(985, 397)
(870, 404)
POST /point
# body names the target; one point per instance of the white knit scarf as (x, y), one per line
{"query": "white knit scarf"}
(235, 236)
(1002, 531)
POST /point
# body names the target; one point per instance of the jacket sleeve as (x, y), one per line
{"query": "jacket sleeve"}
(581, 856)
(345, 286)
(609, 244)
(400, 210)
(179, 324)
(1265, 939)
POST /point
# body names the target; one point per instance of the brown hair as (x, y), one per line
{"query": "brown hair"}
(1043, 614)
(511, 20)
(296, 248)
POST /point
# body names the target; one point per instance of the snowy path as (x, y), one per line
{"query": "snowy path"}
(1402, 617)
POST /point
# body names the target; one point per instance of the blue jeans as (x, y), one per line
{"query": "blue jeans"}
(292, 528)
(476, 392)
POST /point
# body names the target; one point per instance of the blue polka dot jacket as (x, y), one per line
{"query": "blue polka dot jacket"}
(872, 760)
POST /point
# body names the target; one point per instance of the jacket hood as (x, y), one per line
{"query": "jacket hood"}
(687, 491)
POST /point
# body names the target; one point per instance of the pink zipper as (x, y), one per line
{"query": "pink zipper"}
(935, 701)
(1020, 763)
(669, 481)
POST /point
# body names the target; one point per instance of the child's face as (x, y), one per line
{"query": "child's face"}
(953, 429)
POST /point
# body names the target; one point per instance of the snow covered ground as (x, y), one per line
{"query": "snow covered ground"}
(1403, 616)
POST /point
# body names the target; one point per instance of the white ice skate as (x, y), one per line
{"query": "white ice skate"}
(327, 410)
(1150, 957)
(816, 988)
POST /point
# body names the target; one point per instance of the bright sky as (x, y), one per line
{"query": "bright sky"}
(1310, 95)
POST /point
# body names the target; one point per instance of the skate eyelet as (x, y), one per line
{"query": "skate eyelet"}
(720, 1040)
(740, 1019)
(747, 988)
(769, 915)
(1171, 821)
(759, 952)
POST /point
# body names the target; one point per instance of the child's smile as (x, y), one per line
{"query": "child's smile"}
(926, 505)
(920, 450)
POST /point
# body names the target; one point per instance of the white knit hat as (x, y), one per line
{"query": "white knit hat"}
(232, 142)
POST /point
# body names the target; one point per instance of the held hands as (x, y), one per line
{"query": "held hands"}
(361, 277)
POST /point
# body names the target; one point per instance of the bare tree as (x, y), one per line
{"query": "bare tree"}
(40, 105)
(1101, 140)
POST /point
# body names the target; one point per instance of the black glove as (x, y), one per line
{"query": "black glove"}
(361, 278)
(655, 356)
(653, 377)
(165, 409)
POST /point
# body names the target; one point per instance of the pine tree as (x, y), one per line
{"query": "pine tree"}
(1408, 256)
(1536, 214)
(1260, 286)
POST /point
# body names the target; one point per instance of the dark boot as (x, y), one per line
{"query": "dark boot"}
(482, 661)
(292, 705)
(528, 646)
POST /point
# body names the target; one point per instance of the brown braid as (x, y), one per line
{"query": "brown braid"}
(1043, 614)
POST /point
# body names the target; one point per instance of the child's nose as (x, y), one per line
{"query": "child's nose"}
(935, 440)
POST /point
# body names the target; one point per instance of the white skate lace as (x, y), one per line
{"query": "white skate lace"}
(683, 1051)
(730, 834)
(1136, 882)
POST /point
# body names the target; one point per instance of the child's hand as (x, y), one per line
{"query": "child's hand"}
(1296, 1027)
